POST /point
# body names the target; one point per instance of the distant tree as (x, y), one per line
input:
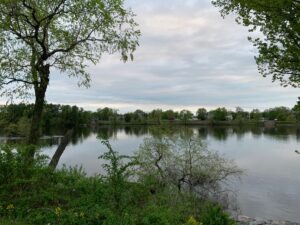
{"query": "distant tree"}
(296, 107)
(296, 110)
(255, 114)
(201, 114)
(156, 115)
(128, 117)
(139, 115)
(279, 44)
(219, 114)
(106, 114)
(169, 115)
(37, 36)
(185, 115)
(277, 113)
(240, 114)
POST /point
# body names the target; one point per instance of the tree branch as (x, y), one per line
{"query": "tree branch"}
(12, 80)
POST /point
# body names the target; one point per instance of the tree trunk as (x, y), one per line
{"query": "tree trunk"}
(34, 133)
(40, 93)
(60, 149)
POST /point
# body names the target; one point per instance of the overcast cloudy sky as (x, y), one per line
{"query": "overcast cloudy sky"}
(189, 57)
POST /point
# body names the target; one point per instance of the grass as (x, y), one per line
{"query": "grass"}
(12, 222)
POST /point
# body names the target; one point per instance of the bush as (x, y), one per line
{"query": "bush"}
(33, 193)
(185, 164)
(214, 215)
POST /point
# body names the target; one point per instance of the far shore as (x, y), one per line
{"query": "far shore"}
(267, 123)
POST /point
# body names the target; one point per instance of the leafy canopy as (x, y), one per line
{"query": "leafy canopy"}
(277, 23)
(64, 35)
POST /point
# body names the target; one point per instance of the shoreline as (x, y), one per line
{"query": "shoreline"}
(267, 123)
(245, 220)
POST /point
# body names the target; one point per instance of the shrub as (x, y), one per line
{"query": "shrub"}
(214, 215)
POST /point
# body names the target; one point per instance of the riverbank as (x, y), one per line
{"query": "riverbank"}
(267, 123)
(245, 220)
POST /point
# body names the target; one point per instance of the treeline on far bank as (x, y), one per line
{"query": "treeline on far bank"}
(159, 116)
(15, 118)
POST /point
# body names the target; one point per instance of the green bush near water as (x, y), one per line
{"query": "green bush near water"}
(33, 193)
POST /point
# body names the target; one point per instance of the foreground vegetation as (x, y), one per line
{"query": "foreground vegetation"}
(159, 185)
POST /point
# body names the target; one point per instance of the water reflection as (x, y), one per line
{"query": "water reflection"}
(217, 133)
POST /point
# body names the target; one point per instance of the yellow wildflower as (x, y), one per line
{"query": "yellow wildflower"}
(10, 207)
(58, 211)
(192, 221)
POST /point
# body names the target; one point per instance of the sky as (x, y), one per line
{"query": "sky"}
(189, 57)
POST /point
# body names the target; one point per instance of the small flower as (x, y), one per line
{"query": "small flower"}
(192, 221)
(81, 214)
(10, 207)
(58, 211)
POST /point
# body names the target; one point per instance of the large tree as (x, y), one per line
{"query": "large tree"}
(38, 37)
(276, 24)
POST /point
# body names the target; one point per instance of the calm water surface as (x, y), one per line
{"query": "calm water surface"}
(269, 188)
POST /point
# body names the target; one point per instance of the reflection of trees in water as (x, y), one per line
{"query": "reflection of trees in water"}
(136, 130)
(240, 131)
(256, 131)
(171, 131)
(79, 135)
(219, 133)
(203, 132)
(278, 133)
(297, 134)
(107, 132)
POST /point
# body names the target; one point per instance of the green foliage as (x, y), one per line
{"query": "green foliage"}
(16, 168)
(255, 115)
(106, 114)
(15, 118)
(192, 221)
(296, 110)
(169, 115)
(13, 222)
(65, 35)
(278, 46)
(37, 37)
(117, 175)
(219, 114)
(156, 115)
(201, 114)
(185, 115)
(277, 113)
(240, 115)
(32, 193)
(214, 215)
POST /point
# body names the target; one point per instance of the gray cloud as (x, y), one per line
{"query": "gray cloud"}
(189, 57)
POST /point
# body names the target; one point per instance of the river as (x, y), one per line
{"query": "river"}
(268, 189)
